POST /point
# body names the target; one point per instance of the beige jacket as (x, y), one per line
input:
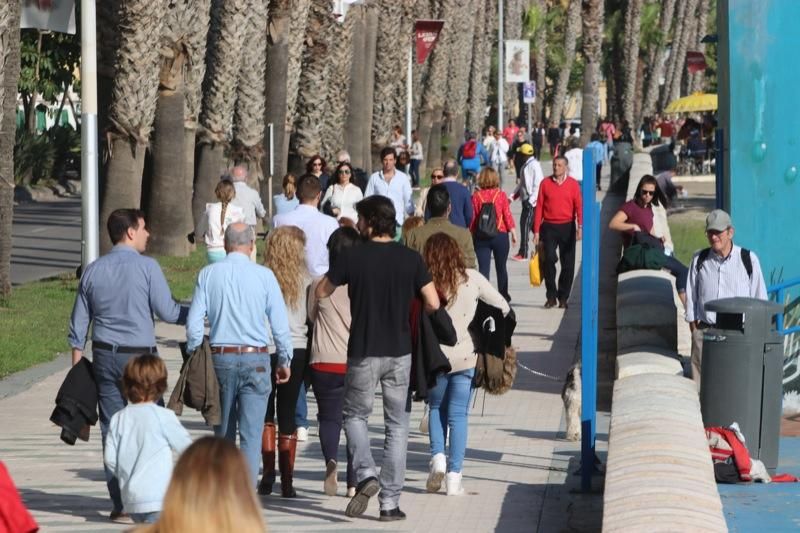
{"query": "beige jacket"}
(331, 318)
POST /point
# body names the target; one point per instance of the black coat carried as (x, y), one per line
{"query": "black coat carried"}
(492, 340)
(76, 403)
(427, 360)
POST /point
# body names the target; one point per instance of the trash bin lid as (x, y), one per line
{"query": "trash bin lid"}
(742, 305)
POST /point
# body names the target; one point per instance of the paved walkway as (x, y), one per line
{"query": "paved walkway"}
(517, 471)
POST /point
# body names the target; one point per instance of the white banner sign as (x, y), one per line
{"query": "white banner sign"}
(529, 92)
(53, 15)
(518, 61)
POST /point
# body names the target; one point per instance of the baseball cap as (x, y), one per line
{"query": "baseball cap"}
(525, 149)
(718, 220)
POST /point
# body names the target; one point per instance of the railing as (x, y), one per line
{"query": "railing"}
(779, 290)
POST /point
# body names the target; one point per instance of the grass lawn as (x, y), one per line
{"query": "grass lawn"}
(688, 235)
(35, 318)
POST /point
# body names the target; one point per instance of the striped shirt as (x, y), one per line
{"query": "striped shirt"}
(721, 277)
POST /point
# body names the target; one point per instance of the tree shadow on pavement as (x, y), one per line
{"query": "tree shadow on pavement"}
(91, 508)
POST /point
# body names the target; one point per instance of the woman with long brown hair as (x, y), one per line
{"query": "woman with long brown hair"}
(284, 254)
(461, 287)
(210, 491)
(317, 166)
(219, 216)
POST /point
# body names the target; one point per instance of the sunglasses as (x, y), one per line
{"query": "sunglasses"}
(345, 172)
(437, 176)
(645, 192)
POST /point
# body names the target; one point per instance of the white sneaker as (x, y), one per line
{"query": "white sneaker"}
(423, 424)
(454, 487)
(302, 434)
(438, 468)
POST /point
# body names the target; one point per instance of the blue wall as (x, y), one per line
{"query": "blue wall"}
(759, 110)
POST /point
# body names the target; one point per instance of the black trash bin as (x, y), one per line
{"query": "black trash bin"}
(663, 158)
(742, 374)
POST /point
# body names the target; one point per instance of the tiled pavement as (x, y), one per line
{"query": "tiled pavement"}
(517, 469)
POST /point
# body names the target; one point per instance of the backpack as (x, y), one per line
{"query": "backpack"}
(746, 261)
(470, 149)
(487, 220)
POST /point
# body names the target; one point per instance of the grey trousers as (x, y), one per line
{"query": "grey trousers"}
(363, 376)
(697, 355)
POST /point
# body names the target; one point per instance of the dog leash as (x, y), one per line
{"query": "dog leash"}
(537, 373)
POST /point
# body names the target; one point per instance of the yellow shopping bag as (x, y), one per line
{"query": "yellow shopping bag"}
(535, 269)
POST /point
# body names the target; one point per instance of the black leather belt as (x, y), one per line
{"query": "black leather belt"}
(239, 349)
(124, 349)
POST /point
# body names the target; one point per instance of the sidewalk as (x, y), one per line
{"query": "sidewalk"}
(517, 471)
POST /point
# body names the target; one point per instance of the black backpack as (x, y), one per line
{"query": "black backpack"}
(746, 261)
(487, 220)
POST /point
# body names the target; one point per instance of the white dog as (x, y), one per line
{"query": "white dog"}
(571, 394)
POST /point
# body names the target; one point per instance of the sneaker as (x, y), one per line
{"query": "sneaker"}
(519, 258)
(302, 434)
(423, 424)
(438, 468)
(454, 487)
(365, 490)
(351, 491)
(330, 484)
(121, 517)
(392, 514)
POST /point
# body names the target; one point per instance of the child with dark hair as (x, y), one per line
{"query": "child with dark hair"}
(141, 439)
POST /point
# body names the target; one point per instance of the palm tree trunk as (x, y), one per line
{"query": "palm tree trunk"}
(570, 39)
(677, 29)
(9, 75)
(370, 58)
(512, 29)
(540, 53)
(680, 52)
(458, 90)
(633, 21)
(691, 40)
(133, 107)
(657, 63)
(592, 41)
(698, 78)
(248, 118)
(481, 64)
(296, 46)
(225, 42)
(332, 135)
(354, 126)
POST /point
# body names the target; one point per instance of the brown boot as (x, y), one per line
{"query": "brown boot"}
(268, 457)
(287, 447)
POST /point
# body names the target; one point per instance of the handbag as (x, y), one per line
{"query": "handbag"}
(535, 268)
(645, 239)
(496, 375)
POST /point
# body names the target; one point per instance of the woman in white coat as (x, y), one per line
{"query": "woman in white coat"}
(343, 195)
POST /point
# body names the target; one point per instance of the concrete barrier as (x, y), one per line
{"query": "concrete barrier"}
(659, 475)
(646, 312)
(648, 360)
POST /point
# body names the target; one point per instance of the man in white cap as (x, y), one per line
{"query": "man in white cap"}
(723, 270)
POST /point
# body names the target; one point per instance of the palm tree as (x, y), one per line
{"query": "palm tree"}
(633, 20)
(540, 55)
(9, 75)
(170, 193)
(573, 28)
(313, 87)
(656, 63)
(332, 136)
(697, 79)
(685, 24)
(359, 103)
(248, 118)
(197, 18)
(512, 29)
(133, 106)
(485, 22)
(458, 90)
(592, 41)
(225, 42)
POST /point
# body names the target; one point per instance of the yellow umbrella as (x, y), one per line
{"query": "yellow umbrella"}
(693, 103)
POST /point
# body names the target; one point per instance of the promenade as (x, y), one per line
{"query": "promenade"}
(517, 472)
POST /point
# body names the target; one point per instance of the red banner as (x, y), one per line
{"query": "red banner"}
(695, 62)
(426, 34)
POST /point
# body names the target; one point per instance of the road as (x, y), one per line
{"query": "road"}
(46, 239)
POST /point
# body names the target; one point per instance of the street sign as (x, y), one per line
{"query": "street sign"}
(529, 92)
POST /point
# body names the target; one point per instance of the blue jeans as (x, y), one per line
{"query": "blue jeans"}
(244, 384)
(145, 518)
(449, 407)
(363, 376)
(497, 246)
(108, 367)
(301, 411)
(414, 172)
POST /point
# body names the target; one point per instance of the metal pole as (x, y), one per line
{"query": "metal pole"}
(89, 153)
(501, 65)
(271, 164)
(409, 91)
(530, 125)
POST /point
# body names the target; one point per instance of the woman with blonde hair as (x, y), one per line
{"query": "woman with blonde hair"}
(462, 287)
(492, 241)
(284, 254)
(219, 216)
(287, 200)
(209, 492)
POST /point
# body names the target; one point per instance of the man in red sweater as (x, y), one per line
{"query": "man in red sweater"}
(557, 221)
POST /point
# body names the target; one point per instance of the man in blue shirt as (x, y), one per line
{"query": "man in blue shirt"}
(460, 198)
(119, 293)
(393, 184)
(599, 154)
(239, 297)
